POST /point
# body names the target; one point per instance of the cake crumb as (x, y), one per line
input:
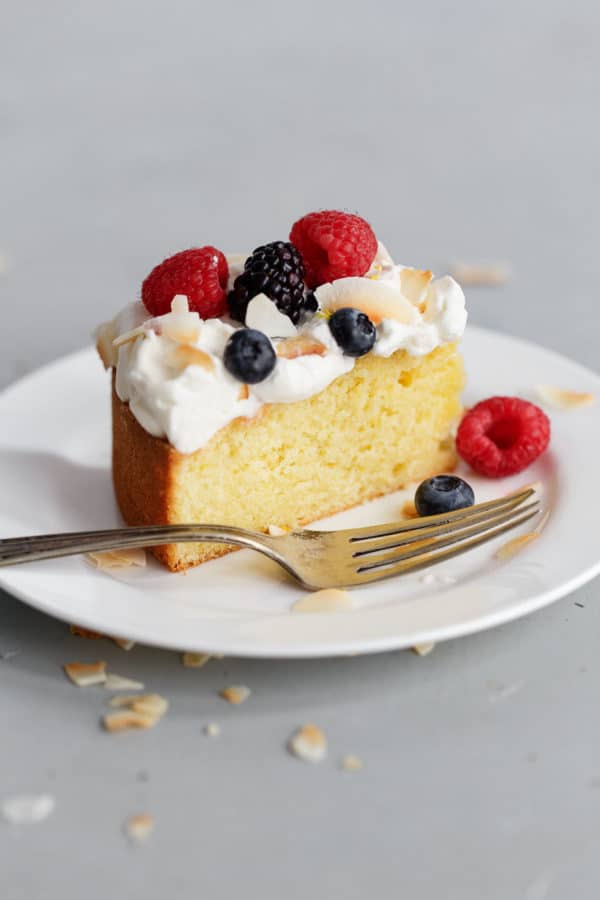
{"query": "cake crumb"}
(481, 274)
(235, 693)
(422, 649)
(327, 600)
(78, 631)
(86, 674)
(27, 809)
(409, 510)
(138, 828)
(195, 660)
(559, 398)
(212, 729)
(120, 683)
(308, 743)
(351, 763)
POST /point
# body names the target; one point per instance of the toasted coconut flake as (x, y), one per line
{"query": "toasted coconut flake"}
(128, 719)
(235, 693)
(351, 763)
(128, 337)
(185, 355)
(138, 828)
(302, 345)
(120, 683)
(414, 284)
(276, 531)
(409, 510)
(27, 809)
(423, 649)
(309, 744)
(105, 336)
(327, 600)
(78, 631)
(195, 660)
(117, 559)
(244, 392)
(85, 674)
(515, 545)
(123, 643)
(212, 729)
(263, 315)
(123, 700)
(376, 299)
(481, 274)
(564, 399)
(150, 704)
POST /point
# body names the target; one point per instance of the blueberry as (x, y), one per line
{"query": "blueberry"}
(353, 331)
(442, 494)
(249, 355)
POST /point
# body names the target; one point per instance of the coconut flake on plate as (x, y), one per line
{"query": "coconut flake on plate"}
(235, 693)
(86, 674)
(117, 559)
(139, 827)
(120, 683)
(195, 660)
(326, 600)
(27, 809)
(558, 398)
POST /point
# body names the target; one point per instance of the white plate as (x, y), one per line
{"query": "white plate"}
(55, 476)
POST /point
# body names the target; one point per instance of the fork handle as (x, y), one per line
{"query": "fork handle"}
(50, 546)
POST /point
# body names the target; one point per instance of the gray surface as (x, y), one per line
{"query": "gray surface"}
(461, 130)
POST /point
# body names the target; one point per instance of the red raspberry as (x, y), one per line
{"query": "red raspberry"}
(502, 436)
(333, 245)
(201, 274)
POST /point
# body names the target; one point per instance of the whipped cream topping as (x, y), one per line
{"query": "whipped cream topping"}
(170, 368)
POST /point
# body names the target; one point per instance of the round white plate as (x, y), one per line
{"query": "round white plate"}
(55, 476)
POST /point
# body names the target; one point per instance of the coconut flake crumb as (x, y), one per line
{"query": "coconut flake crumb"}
(481, 274)
(27, 809)
(212, 729)
(195, 660)
(422, 649)
(123, 643)
(117, 559)
(120, 683)
(308, 743)
(276, 531)
(351, 763)
(127, 719)
(327, 600)
(86, 674)
(136, 711)
(138, 828)
(235, 693)
(558, 398)
(79, 631)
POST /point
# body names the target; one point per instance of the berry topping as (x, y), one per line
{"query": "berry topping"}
(502, 436)
(333, 245)
(353, 331)
(275, 270)
(201, 274)
(249, 356)
(442, 494)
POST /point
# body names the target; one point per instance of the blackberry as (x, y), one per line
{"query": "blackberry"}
(276, 270)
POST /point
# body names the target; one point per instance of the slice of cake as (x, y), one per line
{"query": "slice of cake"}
(280, 388)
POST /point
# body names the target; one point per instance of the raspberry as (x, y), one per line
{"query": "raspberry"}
(201, 274)
(502, 436)
(275, 270)
(333, 245)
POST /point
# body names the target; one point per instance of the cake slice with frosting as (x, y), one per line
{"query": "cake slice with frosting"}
(282, 387)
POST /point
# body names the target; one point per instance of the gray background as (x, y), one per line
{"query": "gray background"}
(462, 130)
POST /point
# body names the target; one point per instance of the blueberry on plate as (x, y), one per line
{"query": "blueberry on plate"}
(353, 331)
(249, 355)
(442, 494)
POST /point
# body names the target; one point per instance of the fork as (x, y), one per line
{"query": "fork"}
(317, 559)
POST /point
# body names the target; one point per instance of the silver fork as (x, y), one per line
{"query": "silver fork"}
(317, 559)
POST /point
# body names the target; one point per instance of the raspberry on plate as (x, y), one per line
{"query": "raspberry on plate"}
(333, 245)
(201, 274)
(502, 436)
